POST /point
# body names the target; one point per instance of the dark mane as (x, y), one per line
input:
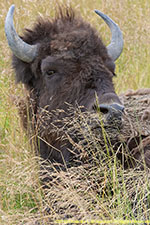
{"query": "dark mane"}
(44, 27)
(52, 34)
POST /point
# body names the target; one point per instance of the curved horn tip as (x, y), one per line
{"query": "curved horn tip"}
(10, 11)
(12, 7)
(8, 16)
(99, 13)
(116, 46)
(20, 49)
(106, 18)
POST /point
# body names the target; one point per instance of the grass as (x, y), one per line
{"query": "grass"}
(21, 196)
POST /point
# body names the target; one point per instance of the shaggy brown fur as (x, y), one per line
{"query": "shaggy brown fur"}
(72, 67)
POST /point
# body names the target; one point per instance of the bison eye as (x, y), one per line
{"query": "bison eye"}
(50, 72)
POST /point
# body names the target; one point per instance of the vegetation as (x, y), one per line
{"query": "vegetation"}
(21, 195)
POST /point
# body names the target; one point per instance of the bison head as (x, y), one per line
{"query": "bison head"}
(64, 61)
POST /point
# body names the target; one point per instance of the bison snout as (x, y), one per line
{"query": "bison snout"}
(113, 112)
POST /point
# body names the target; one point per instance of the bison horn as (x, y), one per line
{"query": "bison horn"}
(21, 49)
(115, 47)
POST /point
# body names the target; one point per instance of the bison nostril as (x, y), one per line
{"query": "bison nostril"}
(113, 112)
(113, 108)
(104, 108)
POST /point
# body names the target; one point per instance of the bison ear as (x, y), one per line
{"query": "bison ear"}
(115, 48)
(110, 65)
(22, 71)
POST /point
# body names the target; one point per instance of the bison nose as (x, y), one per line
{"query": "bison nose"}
(113, 112)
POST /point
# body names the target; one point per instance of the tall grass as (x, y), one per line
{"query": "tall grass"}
(21, 197)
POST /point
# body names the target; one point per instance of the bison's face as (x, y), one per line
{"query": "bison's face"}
(65, 61)
(75, 75)
(86, 81)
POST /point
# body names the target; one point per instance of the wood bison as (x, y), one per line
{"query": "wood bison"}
(64, 62)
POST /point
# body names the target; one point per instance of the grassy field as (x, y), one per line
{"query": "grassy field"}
(21, 196)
